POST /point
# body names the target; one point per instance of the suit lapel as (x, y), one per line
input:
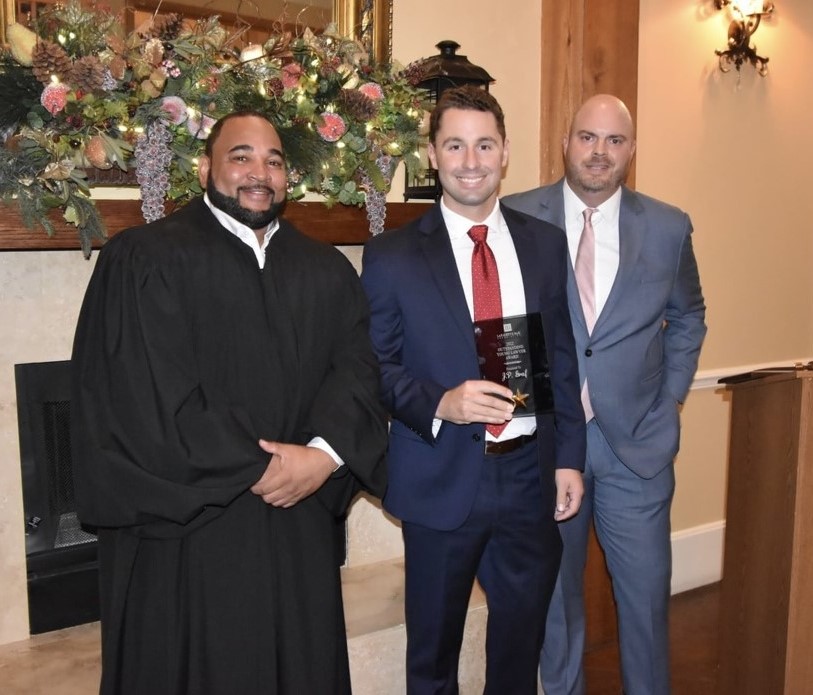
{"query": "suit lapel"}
(437, 250)
(553, 210)
(631, 230)
(524, 244)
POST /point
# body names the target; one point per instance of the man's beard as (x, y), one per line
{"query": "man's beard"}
(253, 219)
(592, 183)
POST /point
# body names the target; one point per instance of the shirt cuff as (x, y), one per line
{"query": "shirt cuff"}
(319, 443)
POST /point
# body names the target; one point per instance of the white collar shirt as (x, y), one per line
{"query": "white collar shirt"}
(243, 232)
(512, 290)
(605, 225)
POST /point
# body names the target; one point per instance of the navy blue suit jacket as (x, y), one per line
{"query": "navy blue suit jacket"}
(422, 333)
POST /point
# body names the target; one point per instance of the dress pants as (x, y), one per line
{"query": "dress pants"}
(510, 542)
(631, 517)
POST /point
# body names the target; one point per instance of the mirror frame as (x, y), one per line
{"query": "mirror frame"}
(7, 14)
(370, 21)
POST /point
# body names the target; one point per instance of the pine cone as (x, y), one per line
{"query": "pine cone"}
(153, 51)
(358, 106)
(274, 87)
(167, 26)
(96, 153)
(88, 74)
(50, 59)
(414, 73)
(117, 67)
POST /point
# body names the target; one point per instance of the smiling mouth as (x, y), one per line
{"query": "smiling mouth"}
(471, 180)
(254, 190)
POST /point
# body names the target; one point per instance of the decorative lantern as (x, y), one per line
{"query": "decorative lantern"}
(441, 72)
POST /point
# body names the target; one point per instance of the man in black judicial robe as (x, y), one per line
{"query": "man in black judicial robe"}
(224, 414)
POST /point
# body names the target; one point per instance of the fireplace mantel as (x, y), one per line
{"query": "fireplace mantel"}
(339, 224)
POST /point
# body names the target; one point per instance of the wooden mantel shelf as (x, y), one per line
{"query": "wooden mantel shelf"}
(339, 225)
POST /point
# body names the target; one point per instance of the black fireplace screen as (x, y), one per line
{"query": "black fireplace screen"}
(60, 554)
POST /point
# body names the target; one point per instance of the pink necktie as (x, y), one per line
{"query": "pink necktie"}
(485, 282)
(585, 269)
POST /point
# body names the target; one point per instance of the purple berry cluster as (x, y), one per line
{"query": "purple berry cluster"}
(153, 157)
(376, 201)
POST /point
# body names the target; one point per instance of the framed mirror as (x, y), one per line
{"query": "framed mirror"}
(370, 21)
(7, 15)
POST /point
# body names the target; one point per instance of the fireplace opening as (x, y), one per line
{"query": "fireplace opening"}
(61, 556)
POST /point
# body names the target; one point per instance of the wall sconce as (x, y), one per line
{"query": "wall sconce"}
(746, 16)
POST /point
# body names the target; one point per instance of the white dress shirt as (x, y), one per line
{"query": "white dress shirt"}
(512, 290)
(605, 225)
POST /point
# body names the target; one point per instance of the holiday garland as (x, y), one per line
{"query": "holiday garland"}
(76, 94)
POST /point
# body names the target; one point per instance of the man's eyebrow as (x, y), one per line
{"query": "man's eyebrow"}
(455, 139)
(617, 136)
(249, 148)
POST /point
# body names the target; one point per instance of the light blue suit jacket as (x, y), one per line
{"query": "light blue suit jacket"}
(642, 355)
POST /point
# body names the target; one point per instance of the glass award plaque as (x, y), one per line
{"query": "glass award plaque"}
(511, 351)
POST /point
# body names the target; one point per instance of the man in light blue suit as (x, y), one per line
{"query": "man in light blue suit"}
(638, 339)
(477, 483)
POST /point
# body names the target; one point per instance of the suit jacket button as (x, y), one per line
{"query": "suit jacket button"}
(475, 437)
(588, 352)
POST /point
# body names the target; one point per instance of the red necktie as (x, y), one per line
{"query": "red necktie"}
(485, 282)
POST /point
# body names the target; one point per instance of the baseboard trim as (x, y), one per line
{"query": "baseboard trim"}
(697, 556)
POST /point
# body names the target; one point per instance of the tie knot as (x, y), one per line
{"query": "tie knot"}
(588, 214)
(478, 233)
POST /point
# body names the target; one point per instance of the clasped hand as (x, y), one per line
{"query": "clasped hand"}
(293, 473)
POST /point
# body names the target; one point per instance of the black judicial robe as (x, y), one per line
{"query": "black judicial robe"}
(185, 354)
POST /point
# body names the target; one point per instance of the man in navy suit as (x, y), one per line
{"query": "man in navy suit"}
(637, 358)
(473, 503)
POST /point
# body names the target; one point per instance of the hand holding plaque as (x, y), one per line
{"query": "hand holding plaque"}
(511, 351)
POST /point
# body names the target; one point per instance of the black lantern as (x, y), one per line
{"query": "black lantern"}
(441, 72)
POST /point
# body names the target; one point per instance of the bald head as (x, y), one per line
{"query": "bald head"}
(599, 148)
(608, 109)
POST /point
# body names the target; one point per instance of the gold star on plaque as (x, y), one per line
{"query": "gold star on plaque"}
(520, 398)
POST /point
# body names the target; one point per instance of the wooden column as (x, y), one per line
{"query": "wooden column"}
(588, 47)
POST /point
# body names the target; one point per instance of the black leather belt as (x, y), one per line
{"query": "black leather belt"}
(509, 445)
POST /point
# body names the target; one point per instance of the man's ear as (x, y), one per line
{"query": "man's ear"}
(430, 151)
(203, 170)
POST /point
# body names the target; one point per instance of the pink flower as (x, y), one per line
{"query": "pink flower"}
(54, 97)
(332, 128)
(291, 73)
(372, 90)
(200, 125)
(174, 109)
